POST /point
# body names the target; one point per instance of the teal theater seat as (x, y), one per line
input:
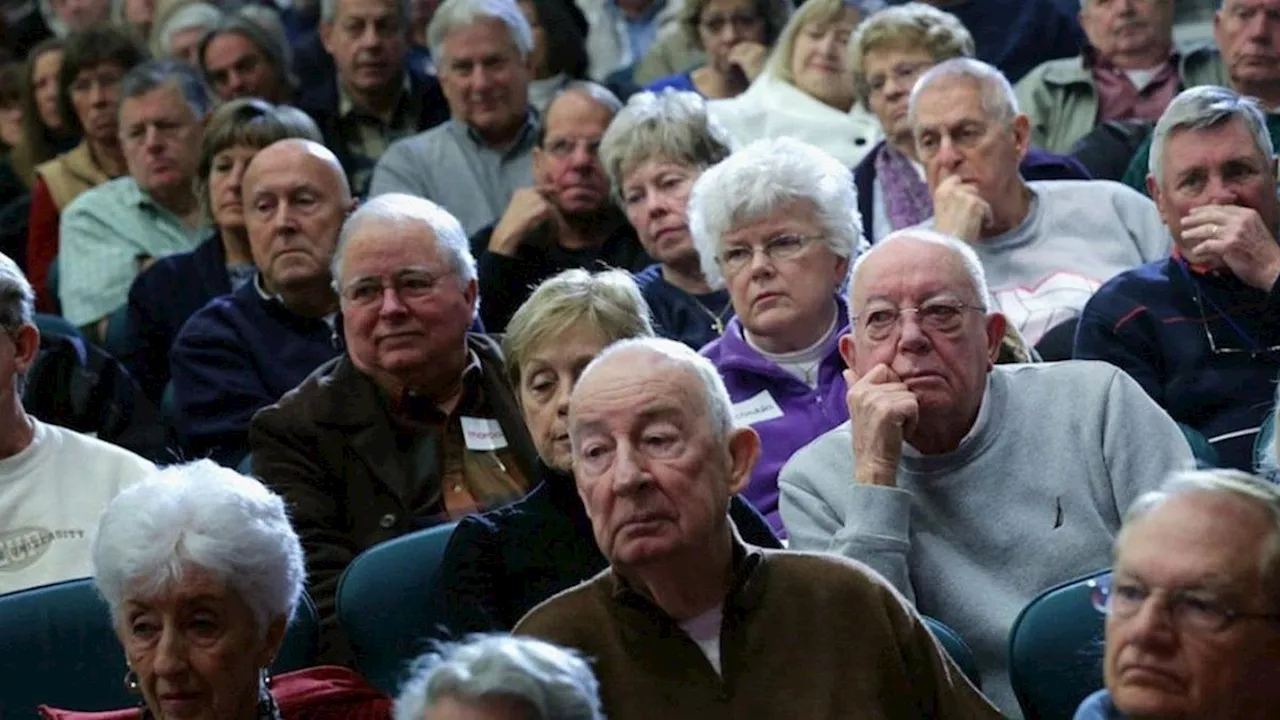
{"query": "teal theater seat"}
(57, 648)
(957, 648)
(384, 604)
(1056, 649)
(1205, 454)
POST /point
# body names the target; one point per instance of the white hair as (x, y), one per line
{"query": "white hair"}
(965, 254)
(205, 516)
(719, 406)
(400, 209)
(197, 16)
(454, 14)
(17, 298)
(1223, 482)
(999, 103)
(554, 682)
(1202, 108)
(760, 179)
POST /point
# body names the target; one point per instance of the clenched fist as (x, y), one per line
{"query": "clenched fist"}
(959, 211)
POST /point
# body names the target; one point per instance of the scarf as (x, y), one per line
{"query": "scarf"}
(906, 196)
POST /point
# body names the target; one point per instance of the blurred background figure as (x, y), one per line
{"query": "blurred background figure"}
(177, 32)
(244, 58)
(559, 54)
(135, 16)
(736, 37)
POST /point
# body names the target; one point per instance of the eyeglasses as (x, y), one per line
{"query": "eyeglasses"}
(1188, 609)
(902, 73)
(777, 249)
(408, 285)
(1256, 352)
(741, 23)
(880, 322)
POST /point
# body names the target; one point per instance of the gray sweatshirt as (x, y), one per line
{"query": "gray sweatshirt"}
(1032, 497)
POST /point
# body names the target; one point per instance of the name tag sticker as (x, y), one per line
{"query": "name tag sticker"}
(758, 409)
(483, 434)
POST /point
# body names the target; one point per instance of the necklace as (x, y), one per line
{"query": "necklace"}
(717, 319)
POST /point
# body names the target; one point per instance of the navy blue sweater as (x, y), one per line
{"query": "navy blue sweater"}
(1147, 322)
(235, 356)
(677, 315)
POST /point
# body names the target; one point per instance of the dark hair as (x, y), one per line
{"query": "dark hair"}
(566, 29)
(39, 143)
(274, 50)
(86, 50)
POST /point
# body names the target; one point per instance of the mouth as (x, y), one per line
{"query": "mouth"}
(1152, 676)
(765, 297)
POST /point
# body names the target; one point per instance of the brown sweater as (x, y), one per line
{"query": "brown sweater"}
(804, 637)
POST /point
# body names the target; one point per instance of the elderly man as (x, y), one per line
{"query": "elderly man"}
(1193, 616)
(473, 164)
(567, 219)
(55, 482)
(113, 231)
(243, 351)
(1046, 245)
(372, 99)
(415, 424)
(1247, 33)
(690, 622)
(242, 58)
(1200, 331)
(1127, 71)
(971, 487)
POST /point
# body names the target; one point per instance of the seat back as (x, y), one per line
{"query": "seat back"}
(57, 647)
(1206, 454)
(1055, 650)
(384, 604)
(1264, 450)
(957, 648)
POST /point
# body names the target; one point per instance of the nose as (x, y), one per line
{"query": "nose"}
(1152, 626)
(628, 470)
(761, 264)
(947, 155)
(911, 337)
(391, 303)
(831, 46)
(98, 94)
(235, 178)
(171, 653)
(152, 140)
(235, 84)
(1257, 27)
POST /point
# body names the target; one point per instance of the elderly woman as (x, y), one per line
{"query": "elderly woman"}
(501, 564)
(783, 249)
(202, 572)
(93, 63)
(806, 88)
(173, 288)
(736, 36)
(890, 50)
(653, 151)
(243, 57)
(179, 28)
(499, 677)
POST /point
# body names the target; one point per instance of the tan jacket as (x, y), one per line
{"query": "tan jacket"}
(70, 174)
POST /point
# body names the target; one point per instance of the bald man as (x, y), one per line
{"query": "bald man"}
(242, 351)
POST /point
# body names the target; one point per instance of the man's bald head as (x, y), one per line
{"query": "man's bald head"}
(296, 197)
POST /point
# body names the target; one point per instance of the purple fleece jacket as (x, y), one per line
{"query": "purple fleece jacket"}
(806, 412)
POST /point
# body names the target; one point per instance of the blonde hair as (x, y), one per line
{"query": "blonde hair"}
(812, 12)
(914, 25)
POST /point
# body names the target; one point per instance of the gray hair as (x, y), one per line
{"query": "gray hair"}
(205, 516)
(964, 253)
(761, 178)
(1202, 108)
(718, 404)
(597, 93)
(329, 11)
(608, 302)
(673, 125)
(399, 209)
(999, 103)
(915, 25)
(554, 682)
(155, 74)
(1224, 482)
(261, 27)
(454, 14)
(17, 298)
(201, 15)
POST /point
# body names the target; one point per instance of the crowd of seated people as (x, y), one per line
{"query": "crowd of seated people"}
(734, 343)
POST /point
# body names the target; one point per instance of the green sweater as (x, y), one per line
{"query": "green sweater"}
(1136, 176)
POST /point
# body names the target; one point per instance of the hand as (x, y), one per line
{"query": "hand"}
(748, 57)
(959, 211)
(529, 208)
(882, 412)
(1236, 238)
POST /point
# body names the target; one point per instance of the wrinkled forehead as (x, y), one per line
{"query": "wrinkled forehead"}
(948, 101)
(1192, 148)
(631, 383)
(909, 269)
(380, 246)
(285, 170)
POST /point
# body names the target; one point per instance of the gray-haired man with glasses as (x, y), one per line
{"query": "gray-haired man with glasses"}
(1200, 331)
(970, 486)
(1193, 604)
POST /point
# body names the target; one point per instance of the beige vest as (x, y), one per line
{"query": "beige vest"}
(70, 174)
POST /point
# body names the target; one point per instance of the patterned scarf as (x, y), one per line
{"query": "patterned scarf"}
(906, 196)
(267, 708)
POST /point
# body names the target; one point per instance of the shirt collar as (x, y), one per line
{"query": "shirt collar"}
(1093, 61)
(528, 132)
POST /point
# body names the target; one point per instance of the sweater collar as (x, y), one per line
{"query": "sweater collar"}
(991, 412)
(736, 354)
(746, 588)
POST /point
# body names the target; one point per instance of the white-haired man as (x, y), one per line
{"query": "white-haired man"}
(474, 163)
(690, 622)
(415, 424)
(53, 482)
(1046, 245)
(1200, 330)
(971, 487)
(1193, 604)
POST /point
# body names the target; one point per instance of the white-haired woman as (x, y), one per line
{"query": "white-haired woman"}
(499, 677)
(502, 563)
(776, 224)
(806, 89)
(653, 152)
(201, 572)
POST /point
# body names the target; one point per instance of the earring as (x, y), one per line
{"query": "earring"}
(264, 675)
(131, 683)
